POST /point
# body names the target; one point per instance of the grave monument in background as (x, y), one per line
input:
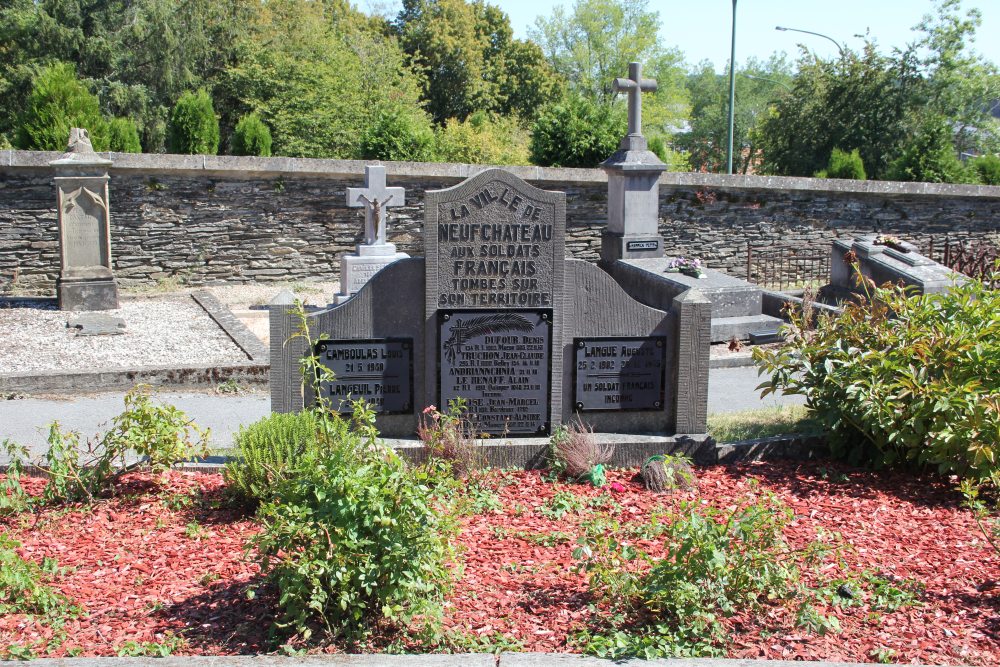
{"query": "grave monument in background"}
(86, 281)
(375, 252)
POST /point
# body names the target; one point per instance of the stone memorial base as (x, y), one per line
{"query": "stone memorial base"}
(357, 268)
(889, 264)
(87, 294)
(736, 304)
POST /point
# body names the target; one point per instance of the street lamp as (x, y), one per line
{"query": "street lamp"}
(732, 96)
(810, 32)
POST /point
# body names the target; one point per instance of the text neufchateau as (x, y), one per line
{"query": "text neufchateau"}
(495, 232)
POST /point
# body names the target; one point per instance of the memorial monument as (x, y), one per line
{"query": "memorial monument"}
(86, 280)
(375, 252)
(495, 314)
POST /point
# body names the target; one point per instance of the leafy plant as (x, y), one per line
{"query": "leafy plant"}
(561, 504)
(123, 136)
(576, 132)
(170, 644)
(987, 169)
(398, 134)
(22, 585)
(193, 127)
(57, 103)
(353, 541)
(665, 472)
(160, 433)
(986, 520)
(251, 137)
(271, 449)
(716, 564)
(901, 377)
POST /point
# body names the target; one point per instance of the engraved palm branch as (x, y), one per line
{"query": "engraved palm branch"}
(463, 330)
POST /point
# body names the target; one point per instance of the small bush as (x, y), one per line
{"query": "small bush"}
(123, 136)
(575, 453)
(664, 472)
(845, 165)
(79, 471)
(900, 377)
(987, 168)
(576, 132)
(193, 127)
(930, 157)
(355, 542)
(270, 449)
(399, 135)
(57, 103)
(251, 137)
(482, 139)
(717, 564)
(22, 584)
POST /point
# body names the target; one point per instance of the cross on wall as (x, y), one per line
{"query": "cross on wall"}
(375, 197)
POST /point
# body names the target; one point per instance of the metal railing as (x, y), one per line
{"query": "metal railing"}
(975, 258)
(788, 267)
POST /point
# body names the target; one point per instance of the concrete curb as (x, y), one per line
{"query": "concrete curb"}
(234, 328)
(422, 660)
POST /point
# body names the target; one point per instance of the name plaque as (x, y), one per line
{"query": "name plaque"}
(642, 245)
(619, 373)
(500, 363)
(378, 370)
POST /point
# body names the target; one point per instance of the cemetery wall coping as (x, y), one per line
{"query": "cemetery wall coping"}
(250, 167)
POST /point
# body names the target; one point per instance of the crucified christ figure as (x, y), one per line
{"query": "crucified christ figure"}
(374, 224)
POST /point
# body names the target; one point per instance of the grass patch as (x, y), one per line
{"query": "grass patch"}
(762, 423)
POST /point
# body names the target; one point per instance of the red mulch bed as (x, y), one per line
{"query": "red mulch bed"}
(141, 574)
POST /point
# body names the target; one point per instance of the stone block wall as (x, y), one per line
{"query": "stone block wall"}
(205, 219)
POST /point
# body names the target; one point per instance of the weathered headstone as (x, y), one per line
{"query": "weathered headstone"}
(86, 280)
(633, 183)
(375, 252)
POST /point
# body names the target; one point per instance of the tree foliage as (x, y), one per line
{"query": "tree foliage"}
(251, 137)
(470, 60)
(58, 102)
(483, 139)
(844, 164)
(577, 132)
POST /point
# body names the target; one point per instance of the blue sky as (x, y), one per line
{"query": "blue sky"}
(701, 28)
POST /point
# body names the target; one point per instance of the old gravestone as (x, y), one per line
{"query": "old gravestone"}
(375, 253)
(496, 314)
(86, 281)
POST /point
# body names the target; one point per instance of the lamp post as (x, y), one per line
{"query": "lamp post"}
(810, 32)
(732, 96)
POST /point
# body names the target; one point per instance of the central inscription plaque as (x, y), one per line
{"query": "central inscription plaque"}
(619, 373)
(500, 363)
(378, 370)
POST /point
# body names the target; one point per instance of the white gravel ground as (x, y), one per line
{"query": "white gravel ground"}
(161, 331)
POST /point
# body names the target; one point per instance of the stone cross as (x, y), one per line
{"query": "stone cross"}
(635, 85)
(375, 197)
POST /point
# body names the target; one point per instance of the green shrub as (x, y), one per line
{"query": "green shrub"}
(398, 134)
(270, 449)
(482, 139)
(576, 132)
(353, 542)
(57, 103)
(930, 157)
(22, 584)
(77, 471)
(251, 137)
(193, 127)
(987, 168)
(123, 136)
(898, 377)
(845, 165)
(716, 565)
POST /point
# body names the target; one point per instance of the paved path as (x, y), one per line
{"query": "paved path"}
(26, 421)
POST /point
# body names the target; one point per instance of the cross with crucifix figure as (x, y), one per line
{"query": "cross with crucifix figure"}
(375, 197)
(635, 85)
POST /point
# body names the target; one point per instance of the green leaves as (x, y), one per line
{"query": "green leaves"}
(902, 377)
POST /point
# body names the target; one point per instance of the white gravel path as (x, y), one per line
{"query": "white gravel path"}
(163, 331)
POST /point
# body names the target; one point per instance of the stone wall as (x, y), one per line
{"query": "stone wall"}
(202, 219)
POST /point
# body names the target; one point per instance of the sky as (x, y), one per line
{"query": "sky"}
(701, 28)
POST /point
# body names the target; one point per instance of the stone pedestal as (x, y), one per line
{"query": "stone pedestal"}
(888, 263)
(633, 202)
(86, 281)
(357, 268)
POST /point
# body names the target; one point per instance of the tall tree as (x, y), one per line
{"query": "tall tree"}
(470, 60)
